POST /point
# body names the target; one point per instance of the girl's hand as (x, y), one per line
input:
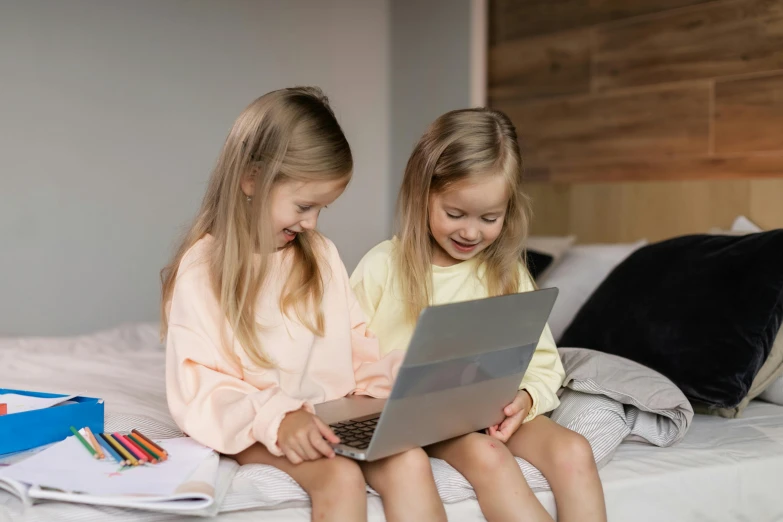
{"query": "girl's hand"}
(303, 436)
(515, 414)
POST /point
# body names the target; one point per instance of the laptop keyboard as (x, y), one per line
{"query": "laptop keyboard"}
(356, 433)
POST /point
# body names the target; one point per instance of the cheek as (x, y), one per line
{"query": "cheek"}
(439, 226)
(282, 216)
(492, 232)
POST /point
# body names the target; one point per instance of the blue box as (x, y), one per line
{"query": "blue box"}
(30, 429)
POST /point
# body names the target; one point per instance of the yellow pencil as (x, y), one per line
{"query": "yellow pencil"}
(94, 443)
(121, 450)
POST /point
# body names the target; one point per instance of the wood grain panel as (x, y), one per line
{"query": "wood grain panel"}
(706, 41)
(596, 212)
(749, 114)
(663, 122)
(660, 210)
(551, 208)
(686, 168)
(511, 19)
(543, 66)
(766, 203)
(625, 212)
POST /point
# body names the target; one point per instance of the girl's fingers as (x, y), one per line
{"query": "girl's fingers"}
(510, 425)
(516, 405)
(308, 452)
(292, 456)
(326, 431)
(321, 445)
(296, 446)
(497, 435)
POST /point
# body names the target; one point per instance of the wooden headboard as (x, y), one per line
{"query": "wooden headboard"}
(643, 118)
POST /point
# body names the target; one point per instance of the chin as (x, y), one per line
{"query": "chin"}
(462, 256)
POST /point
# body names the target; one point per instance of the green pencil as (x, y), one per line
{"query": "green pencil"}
(84, 442)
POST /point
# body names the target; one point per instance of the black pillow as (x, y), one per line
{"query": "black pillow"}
(537, 262)
(702, 310)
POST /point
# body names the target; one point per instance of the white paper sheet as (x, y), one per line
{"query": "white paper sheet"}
(21, 403)
(67, 466)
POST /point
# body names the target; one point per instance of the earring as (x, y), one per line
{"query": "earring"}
(250, 199)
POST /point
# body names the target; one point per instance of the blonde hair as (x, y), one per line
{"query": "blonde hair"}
(288, 134)
(462, 145)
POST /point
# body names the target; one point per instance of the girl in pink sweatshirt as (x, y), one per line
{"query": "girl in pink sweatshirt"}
(261, 323)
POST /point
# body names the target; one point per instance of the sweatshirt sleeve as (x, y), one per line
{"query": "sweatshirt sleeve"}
(207, 396)
(369, 278)
(545, 374)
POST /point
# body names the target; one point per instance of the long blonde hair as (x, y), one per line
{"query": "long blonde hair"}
(462, 145)
(288, 134)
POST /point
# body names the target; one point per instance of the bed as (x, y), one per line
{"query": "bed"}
(724, 469)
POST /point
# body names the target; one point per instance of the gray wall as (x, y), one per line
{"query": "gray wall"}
(432, 66)
(112, 113)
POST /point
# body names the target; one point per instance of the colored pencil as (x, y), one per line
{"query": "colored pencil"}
(150, 456)
(130, 446)
(94, 443)
(150, 443)
(136, 446)
(109, 450)
(130, 459)
(84, 442)
(149, 449)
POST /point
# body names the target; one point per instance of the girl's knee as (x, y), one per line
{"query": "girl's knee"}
(336, 476)
(486, 455)
(414, 462)
(572, 451)
(410, 467)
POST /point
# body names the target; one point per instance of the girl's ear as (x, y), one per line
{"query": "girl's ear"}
(248, 183)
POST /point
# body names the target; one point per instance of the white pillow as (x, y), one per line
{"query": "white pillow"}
(743, 224)
(740, 227)
(580, 271)
(774, 392)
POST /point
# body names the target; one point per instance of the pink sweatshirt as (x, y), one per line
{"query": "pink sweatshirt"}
(230, 408)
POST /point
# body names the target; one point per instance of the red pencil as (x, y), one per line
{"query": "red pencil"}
(130, 447)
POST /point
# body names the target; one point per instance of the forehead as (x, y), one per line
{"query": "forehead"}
(319, 192)
(479, 196)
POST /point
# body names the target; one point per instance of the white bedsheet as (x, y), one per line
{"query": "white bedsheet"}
(723, 470)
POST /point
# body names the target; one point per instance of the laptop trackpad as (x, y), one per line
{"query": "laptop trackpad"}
(348, 408)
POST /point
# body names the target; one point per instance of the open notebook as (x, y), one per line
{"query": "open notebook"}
(193, 481)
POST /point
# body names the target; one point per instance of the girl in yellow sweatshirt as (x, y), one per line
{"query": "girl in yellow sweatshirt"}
(462, 221)
(261, 324)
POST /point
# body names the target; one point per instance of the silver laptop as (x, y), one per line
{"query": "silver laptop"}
(463, 366)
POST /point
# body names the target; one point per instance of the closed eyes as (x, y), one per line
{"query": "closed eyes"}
(304, 208)
(484, 219)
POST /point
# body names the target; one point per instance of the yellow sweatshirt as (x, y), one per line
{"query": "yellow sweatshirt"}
(374, 283)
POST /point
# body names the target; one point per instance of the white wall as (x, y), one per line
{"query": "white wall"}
(438, 63)
(112, 113)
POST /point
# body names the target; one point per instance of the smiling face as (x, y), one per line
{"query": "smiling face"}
(467, 218)
(296, 205)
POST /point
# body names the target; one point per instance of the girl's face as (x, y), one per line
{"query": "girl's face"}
(467, 218)
(296, 205)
